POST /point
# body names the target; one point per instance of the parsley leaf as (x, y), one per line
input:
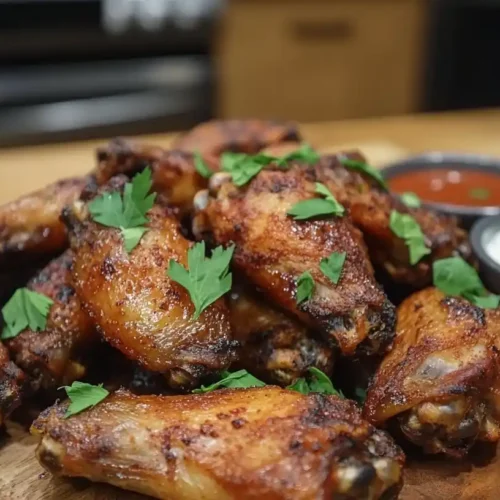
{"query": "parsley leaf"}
(305, 287)
(305, 154)
(243, 167)
(406, 227)
(480, 193)
(411, 200)
(83, 396)
(128, 213)
(317, 207)
(454, 276)
(236, 380)
(332, 266)
(317, 381)
(363, 167)
(201, 167)
(206, 279)
(25, 309)
(360, 395)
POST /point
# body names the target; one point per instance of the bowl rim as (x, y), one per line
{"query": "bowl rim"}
(440, 160)
(475, 238)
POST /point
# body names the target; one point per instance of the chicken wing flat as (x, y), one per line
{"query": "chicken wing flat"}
(370, 208)
(243, 444)
(273, 250)
(441, 381)
(174, 175)
(137, 308)
(212, 138)
(55, 356)
(12, 382)
(275, 347)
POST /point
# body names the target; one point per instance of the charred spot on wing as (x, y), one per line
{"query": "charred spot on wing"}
(459, 308)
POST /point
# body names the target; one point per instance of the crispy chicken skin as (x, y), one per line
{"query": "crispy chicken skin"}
(212, 138)
(274, 347)
(138, 308)
(370, 208)
(441, 381)
(30, 226)
(56, 355)
(174, 175)
(243, 444)
(12, 383)
(273, 250)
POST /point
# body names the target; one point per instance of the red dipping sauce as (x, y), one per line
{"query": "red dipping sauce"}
(470, 187)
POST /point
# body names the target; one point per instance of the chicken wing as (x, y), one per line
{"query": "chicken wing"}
(241, 136)
(12, 382)
(441, 381)
(174, 175)
(273, 250)
(275, 347)
(243, 444)
(55, 356)
(137, 307)
(370, 208)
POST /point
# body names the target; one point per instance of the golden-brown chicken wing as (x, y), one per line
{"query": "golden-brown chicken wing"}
(138, 308)
(240, 136)
(243, 444)
(370, 208)
(174, 175)
(274, 347)
(273, 250)
(441, 380)
(12, 382)
(56, 355)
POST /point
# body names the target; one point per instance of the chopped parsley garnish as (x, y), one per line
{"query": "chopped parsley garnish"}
(201, 167)
(206, 279)
(305, 287)
(317, 381)
(480, 193)
(25, 309)
(304, 154)
(83, 396)
(236, 380)
(406, 227)
(411, 200)
(317, 207)
(363, 167)
(332, 266)
(127, 213)
(454, 276)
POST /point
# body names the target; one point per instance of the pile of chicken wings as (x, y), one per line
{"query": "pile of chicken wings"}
(432, 373)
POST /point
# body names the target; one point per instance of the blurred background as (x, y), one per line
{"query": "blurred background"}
(74, 69)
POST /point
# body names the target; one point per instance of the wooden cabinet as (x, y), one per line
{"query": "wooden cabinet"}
(320, 59)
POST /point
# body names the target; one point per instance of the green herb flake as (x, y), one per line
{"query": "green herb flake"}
(480, 194)
(316, 381)
(83, 396)
(360, 395)
(317, 207)
(201, 167)
(25, 309)
(127, 213)
(454, 276)
(305, 154)
(405, 226)
(332, 266)
(305, 287)
(236, 380)
(411, 200)
(363, 167)
(205, 279)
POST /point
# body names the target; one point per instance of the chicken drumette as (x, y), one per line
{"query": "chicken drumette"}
(12, 384)
(273, 250)
(244, 444)
(441, 381)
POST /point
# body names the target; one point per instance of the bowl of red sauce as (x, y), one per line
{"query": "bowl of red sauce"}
(467, 186)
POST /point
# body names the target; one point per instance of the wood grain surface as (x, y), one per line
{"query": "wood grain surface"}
(383, 140)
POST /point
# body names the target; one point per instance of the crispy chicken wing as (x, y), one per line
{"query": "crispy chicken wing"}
(138, 308)
(174, 175)
(275, 347)
(273, 250)
(241, 136)
(12, 382)
(441, 381)
(55, 356)
(243, 444)
(370, 208)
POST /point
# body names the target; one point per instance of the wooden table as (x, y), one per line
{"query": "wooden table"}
(24, 169)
